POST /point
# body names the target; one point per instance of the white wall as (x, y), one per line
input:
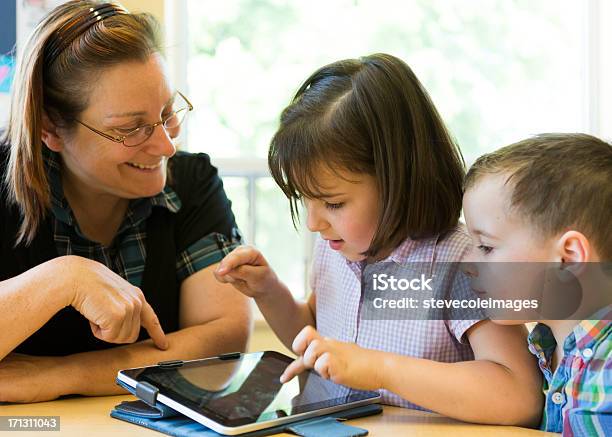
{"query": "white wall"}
(4, 109)
(605, 70)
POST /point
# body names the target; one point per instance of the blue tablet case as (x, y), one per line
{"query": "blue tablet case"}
(154, 415)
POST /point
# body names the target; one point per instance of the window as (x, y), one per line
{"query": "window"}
(497, 70)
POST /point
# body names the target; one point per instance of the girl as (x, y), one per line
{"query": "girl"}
(364, 148)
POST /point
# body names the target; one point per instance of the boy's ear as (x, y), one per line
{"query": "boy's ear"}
(50, 136)
(574, 247)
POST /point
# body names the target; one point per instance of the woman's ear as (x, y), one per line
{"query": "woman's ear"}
(574, 247)
(50, 136)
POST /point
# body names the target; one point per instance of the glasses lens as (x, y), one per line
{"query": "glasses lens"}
(180, 108)
(171, 124)
(139, 136)
(176, 119)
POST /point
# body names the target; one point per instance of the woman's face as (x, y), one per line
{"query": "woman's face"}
(123, 98)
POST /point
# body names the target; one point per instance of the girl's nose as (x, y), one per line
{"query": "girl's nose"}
(314, 221)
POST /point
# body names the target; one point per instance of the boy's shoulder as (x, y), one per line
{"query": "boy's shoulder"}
(593, 338)
(590, 375)
(581, 381)
(590, 340)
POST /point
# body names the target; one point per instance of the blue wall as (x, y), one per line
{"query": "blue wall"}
(8, 35)
(8, 25)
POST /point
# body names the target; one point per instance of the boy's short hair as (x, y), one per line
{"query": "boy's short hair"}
(559, 181)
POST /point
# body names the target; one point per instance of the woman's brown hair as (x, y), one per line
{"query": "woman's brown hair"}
(68, 49)
(372, 115)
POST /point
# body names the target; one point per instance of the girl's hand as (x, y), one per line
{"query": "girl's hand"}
(248, 271)
(114, 307)
(340, 362)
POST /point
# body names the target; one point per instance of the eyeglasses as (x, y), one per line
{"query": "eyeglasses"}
(135, 137)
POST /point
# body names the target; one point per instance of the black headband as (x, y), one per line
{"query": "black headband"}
(76, 26)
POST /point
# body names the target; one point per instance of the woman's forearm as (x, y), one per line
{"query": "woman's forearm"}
(285, 315)
(94, 373)
(474, 391)
(29, 300)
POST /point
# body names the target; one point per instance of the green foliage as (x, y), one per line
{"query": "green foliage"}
(498, 70)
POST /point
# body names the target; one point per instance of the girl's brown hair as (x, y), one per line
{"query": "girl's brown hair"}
(372, 115)
(58, 85)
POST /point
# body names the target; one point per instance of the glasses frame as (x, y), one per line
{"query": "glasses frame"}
(121, 139)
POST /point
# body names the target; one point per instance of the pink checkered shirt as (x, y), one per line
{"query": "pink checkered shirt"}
(337, 285)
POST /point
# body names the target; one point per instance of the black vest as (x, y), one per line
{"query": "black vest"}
(205, 209)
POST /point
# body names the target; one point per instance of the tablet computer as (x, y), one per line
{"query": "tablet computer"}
(237, 393)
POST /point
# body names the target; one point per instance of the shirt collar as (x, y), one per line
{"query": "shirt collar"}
(585, 335)
(588, 332)
(138, 209)
(542, 342)
(400, 255)
(59, 205)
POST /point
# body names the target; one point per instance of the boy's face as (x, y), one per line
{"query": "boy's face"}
(347, 214)
(507, 257)
(498, 233)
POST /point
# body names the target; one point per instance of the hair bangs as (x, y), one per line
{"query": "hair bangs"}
(304, 149)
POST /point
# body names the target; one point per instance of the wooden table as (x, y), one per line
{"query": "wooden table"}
(90, 417)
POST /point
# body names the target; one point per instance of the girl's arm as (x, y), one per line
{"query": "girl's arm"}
(285, 315)
(501, 386)
(249, 272)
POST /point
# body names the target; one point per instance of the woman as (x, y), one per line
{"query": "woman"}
(105, 228)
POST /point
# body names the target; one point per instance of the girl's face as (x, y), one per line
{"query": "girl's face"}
(346, 215)
(124, 97)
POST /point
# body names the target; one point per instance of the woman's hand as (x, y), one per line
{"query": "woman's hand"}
(114, 307)
(340, 362)
(248, 271)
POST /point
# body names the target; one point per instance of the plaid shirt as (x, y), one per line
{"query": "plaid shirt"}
(127, 255)
(579, 393)
(336, 283)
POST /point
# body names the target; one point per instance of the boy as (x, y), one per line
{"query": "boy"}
(548, 199)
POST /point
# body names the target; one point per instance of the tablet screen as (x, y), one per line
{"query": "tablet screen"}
(247, 389)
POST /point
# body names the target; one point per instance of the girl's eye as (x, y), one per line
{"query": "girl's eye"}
(485, 249)
(334, 205)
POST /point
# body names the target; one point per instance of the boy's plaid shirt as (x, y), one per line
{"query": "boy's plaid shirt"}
(579, 393)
